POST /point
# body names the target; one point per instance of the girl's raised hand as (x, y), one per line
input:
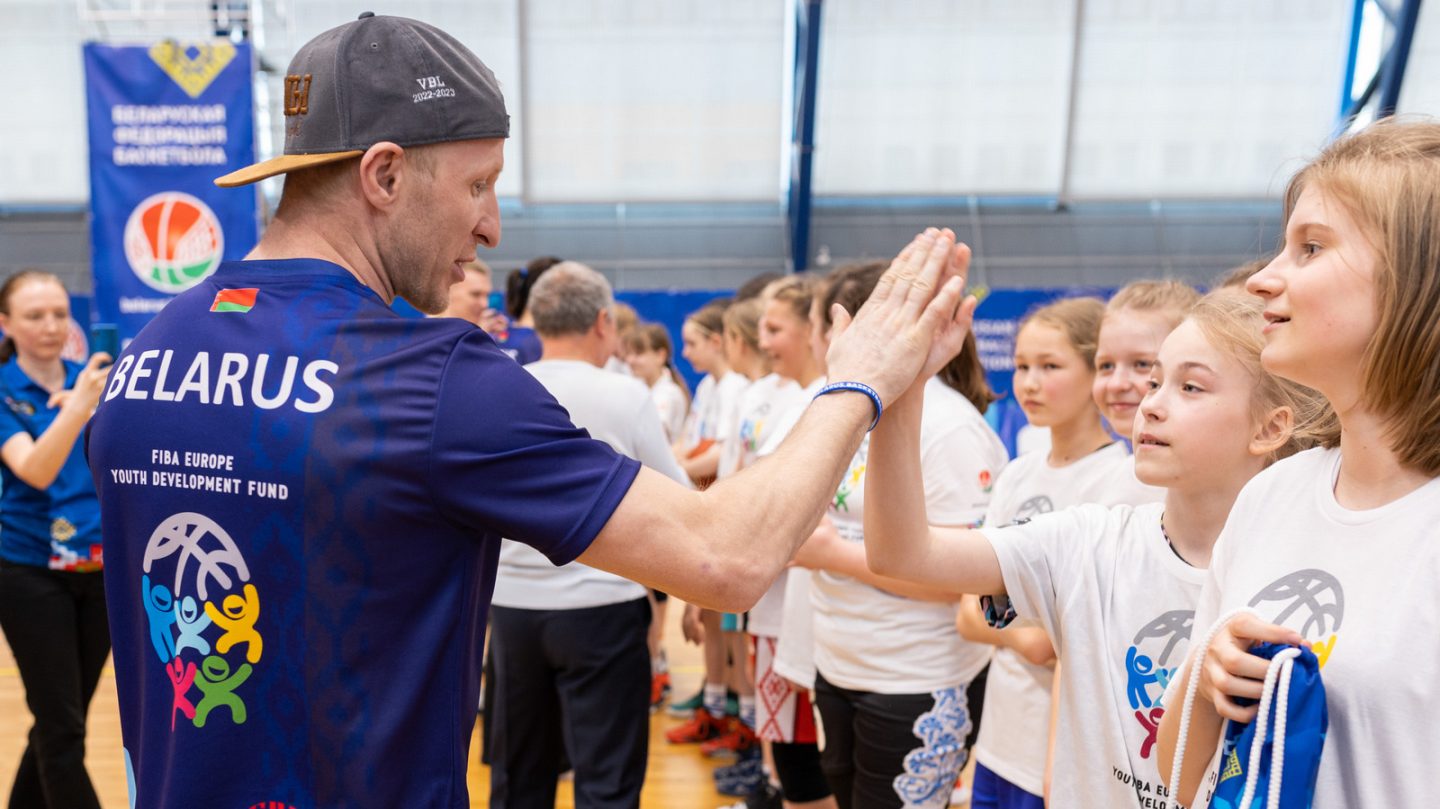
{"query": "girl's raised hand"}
(950, 335)
(1229, 670)
(893, 336)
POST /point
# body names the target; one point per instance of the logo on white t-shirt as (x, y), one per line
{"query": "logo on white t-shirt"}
(1034, 507)
(1157, 650)
(1310, 601)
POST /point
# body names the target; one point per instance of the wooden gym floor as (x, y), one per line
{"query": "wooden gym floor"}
(677, 776)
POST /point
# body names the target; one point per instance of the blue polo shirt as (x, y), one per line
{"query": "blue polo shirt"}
(304, 495)
(59, 526)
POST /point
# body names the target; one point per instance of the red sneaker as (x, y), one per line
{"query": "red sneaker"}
(659, 690)
(701, 727)
(735, 740)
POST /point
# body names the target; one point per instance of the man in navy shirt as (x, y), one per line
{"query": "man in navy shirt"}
(303, 494)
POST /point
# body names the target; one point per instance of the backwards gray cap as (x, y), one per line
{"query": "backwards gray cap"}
(380, 79)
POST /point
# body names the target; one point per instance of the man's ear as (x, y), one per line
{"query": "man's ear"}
(383, 170)
(1272, 432)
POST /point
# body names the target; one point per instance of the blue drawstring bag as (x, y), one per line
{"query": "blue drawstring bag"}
(1272, 762)
(1292, 724)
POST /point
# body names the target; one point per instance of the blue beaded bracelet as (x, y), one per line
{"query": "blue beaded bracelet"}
(857, 387)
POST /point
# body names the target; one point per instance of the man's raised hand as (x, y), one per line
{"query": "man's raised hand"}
(914, 322)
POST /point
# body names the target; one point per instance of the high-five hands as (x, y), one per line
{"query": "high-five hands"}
(914, 322)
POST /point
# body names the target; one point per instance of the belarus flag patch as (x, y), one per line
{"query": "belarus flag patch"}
(234, 300)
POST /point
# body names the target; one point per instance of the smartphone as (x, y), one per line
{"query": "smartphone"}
(105, 337)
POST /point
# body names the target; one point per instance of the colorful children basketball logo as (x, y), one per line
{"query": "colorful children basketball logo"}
(1311, 602)
(1156, 652)
(173, 241)
(202, 611)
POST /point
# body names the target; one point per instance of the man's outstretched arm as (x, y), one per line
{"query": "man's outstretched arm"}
(723, 547)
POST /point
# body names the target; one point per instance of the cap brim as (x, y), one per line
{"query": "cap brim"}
(280, 165)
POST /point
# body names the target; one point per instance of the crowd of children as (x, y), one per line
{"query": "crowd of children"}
(1270, 445)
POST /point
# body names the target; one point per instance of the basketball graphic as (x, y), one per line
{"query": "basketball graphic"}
(1156, 652)
(203, 613)
(1311, 602)
(189, 534)
(1152, 659)
(1171, 633)
(1034, 507)
(173, 241)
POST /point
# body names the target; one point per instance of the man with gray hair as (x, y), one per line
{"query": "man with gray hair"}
(331, 481)
(568, 652)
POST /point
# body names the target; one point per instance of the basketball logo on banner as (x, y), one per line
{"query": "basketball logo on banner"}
(173, 241)
(165, 120)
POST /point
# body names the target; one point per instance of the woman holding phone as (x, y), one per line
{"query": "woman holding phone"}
(52, 594)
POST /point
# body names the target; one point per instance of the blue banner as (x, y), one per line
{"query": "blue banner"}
(996, 322)
(165, 121)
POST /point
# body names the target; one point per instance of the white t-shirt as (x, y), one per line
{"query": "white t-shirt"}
(700, 423)
(1014, 729)
(614, 409)
(870, 640)
(1361, 587)
(795, 645)
(671, 404)
(791, 417)
(761, 408)
(1118, 605)
(758, 411)
(615, 365)
(727, 406)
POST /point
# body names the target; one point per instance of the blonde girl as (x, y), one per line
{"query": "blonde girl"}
(791, 335)
(650, 356)
(1335, 547)
(1137, 320)
(702, 340)
(893, 679)
(702, 344)
(1053, 381)
(1113, 587)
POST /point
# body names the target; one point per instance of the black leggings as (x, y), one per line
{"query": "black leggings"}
(57, 627)
(876, 757)
(797, 765)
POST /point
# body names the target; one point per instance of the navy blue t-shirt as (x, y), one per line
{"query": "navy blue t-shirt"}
(57, 527)
(522, 344)
(303, 498)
